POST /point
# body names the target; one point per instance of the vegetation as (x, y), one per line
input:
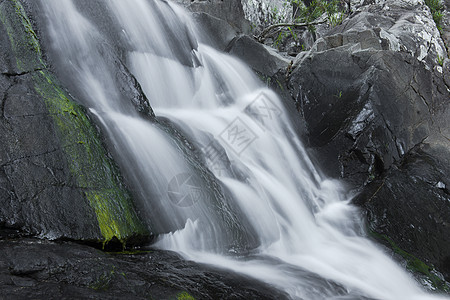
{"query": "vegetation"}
(304, 16)
(184, 296)
(103, 282)
(413, 263)
(440, 60)
(436, 8)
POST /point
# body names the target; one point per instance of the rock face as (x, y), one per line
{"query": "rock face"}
(260, 58)
(230, 11)
(42, 270)
(409, 206)
(446, 23)
(56, 178)
(217, 33)
(372, 88)
(375, 101)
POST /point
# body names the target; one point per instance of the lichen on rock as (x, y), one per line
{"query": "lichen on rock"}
(23, 39)
(89, 163)
(86, 165)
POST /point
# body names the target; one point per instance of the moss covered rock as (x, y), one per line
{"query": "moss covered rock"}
(56, 178)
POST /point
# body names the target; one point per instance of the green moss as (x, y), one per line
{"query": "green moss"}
(24, 42)
(413, 263)
(103, 282)
(184, 296)
(280, 86)
(89, 163)
(91, 168)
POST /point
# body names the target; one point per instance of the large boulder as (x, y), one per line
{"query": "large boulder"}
(56, 178)
(370, 89)
(374, 95)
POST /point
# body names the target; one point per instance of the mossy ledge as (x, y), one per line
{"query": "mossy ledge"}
(413, 264)
(90, 166)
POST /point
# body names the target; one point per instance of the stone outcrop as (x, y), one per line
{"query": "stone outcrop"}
(56, 178)
(374, 95)
(36, 269)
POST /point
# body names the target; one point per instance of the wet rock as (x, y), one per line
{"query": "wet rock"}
(260, 58)
(375, 101)
(410, 205)
(56, 178)
(230, 11)
(368, 92)
(41, 269)
(217, 32)
(129, 87)
(367, 111)
(123, 84)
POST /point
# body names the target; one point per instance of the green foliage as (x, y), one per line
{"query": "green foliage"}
(336, 19)
(339, 95)
(293, 34)
(278, 40)
(440, 60)
(436, 8)
(103, 282)
(319, 11)
(316, 9)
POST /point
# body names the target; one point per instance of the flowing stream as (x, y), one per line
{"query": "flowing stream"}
(220, 174)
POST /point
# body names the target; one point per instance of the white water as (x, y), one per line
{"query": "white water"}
(310, 239)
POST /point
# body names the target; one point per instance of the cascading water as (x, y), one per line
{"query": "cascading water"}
(250, 200)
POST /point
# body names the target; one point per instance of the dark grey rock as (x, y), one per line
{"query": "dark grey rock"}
(410, 205)
(260, 58)
(45, 270)
(368, 110)
(375, 102)
(34, 171)
(230, 11)
(20, 57)
(374, 71)
(130, 88)
(54, 170)
(215, 32)
(5, 52)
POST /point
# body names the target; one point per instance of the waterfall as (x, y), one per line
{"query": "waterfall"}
(220, 174)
